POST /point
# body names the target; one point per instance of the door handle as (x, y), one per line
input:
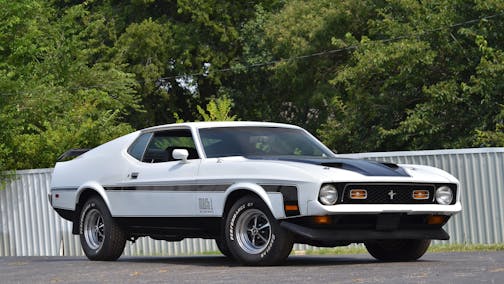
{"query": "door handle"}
(134, 175)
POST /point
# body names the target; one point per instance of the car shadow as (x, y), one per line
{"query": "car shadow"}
(211, 261)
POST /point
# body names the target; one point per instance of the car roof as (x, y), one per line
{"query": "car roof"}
(213, 124)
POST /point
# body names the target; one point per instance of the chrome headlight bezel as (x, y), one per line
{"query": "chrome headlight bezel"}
(328, 194)
(444, 195)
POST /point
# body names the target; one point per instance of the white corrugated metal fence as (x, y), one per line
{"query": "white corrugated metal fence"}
(29, 226)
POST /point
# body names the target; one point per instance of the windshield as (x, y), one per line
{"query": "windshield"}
(260, 141)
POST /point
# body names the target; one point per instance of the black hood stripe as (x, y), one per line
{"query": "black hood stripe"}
(364, 167)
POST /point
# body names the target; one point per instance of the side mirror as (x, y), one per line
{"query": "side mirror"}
(180, 154)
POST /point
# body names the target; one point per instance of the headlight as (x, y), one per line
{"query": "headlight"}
(444, 195)
(328, 194)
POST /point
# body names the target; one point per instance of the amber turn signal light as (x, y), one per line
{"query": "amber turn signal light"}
(436, 219)
(322, 220)
(291, 208)
(420, 194)
(358, 194)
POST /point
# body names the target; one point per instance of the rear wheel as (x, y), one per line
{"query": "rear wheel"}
(100, 236)
(254, 236)
(397, 250)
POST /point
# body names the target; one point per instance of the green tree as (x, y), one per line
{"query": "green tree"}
(55, 94)
(363, 75)
(463, 90)
(295, 89)
(399, 74)
(493, 137)
(172, 41)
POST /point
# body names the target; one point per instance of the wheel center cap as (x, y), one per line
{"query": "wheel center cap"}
(254, 231)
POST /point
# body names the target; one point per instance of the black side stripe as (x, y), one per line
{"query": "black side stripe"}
(64, 188)
(194, 187)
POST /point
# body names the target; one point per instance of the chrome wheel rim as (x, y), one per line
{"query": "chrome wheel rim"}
(253, 231)
(93, 229)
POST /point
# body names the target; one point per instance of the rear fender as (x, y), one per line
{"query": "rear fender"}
(87, 187)
(93, 186)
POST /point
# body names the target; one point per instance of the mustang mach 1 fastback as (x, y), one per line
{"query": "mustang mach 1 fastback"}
(256, 188)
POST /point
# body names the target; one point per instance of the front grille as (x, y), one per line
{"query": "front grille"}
(388, 193)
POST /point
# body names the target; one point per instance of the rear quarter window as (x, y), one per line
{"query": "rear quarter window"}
(137, 149)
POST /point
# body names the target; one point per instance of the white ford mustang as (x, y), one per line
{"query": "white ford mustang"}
(254, 187)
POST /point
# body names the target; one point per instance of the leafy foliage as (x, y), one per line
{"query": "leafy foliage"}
(363, 75)
(401, 75)
(217, 110)
(55, 95)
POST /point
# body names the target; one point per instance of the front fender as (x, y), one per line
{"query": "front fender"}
(273, 200)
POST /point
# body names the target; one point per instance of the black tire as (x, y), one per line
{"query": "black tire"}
(223, 248)
(254, 236)
(100, 236)
(397, 250)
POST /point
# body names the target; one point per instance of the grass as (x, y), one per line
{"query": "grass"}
(211, 253)
(360, 249)
(466, 247)
(351, 249)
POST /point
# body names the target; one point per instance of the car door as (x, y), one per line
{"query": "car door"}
(156, 184)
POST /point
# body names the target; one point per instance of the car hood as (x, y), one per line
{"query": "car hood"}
(364, 167)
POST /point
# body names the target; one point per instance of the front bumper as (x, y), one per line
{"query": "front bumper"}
(315, 208)
(354, 228)
(311, 235)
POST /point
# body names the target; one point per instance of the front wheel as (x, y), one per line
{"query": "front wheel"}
(100, 236)
(254, 236)
(397, 250)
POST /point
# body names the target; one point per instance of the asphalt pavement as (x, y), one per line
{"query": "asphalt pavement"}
(467, 267)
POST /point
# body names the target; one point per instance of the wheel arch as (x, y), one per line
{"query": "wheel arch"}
(237, 191)
(85, 192)
(89, 189)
